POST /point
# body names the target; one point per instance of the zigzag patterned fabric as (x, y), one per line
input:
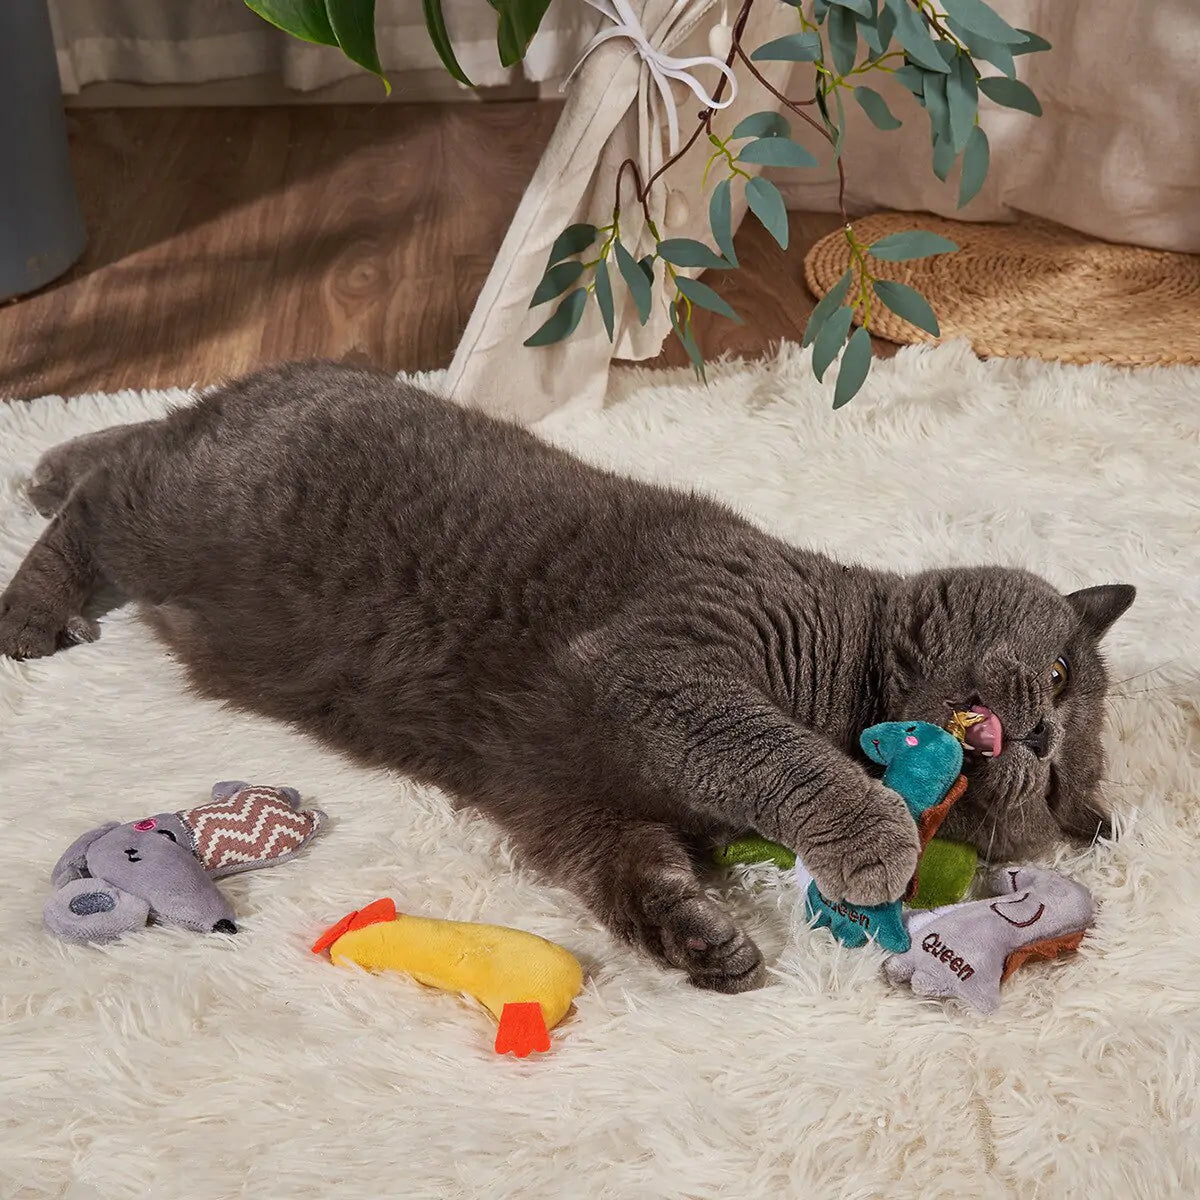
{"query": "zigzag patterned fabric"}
(256, 825)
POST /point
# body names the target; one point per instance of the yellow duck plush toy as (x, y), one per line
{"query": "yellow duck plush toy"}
(524, 981)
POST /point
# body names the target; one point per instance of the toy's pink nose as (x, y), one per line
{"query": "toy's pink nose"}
(146, 825)
(911, 741)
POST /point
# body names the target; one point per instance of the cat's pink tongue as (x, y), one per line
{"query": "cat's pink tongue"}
(986, 736)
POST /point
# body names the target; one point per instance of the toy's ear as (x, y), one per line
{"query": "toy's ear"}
(93, 910)
(222, 791)
(293, 797)
(73, 863)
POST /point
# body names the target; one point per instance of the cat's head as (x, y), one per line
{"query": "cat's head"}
(1008, 643)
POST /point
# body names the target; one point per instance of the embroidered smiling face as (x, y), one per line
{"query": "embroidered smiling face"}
(1008, 648)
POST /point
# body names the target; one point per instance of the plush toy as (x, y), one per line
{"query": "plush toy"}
(946, 872)
(960, 950)
(524, 981)
(946, 869)
(923, 765)
(967, 950)
(754, 849)
(162, 868)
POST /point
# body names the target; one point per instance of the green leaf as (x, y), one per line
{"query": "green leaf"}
(776, 152)
(767, 205)
(701, 294)
(687, 252)
(905, 247)
(943, 156)
(830, 301)
(796, 47)
(1032, 44)
(843, 39)
(556, 281)
(347, 24)
(979, 18)
(762, 124)
(937, 105)
(435, 23)
(877, 31)
(997, 53)
(829, 340)
(839, 129)
(635, 281)
(856, 362)
(974, 167)
(303, 19)
(911, 77)
(1012, 93)
(353, 23)
(604, 297)
(683, 331)
(572, 240)
(864, 8)
(518, 22)
(562, 323)
(963, 100)
(720, 217)
(875, 106)
(907, 303)
(646, 262)
(913, 34)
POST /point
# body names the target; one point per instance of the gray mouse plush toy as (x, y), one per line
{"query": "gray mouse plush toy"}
(162, 868)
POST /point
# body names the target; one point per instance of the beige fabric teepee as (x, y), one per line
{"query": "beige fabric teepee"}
(612, 113)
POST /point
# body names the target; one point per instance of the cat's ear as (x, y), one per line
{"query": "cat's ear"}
(1099, 607)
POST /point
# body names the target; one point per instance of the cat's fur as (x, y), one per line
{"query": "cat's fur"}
(614, 672)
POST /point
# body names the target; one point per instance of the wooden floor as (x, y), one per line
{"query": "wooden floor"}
(222, 239)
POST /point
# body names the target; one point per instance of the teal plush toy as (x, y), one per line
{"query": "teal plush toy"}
(924, 765)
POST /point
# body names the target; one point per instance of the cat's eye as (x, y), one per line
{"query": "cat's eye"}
(1060, 676)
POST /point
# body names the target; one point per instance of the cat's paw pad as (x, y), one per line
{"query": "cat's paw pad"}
(695, 934)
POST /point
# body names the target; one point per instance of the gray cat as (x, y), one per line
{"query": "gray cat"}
(616, 673)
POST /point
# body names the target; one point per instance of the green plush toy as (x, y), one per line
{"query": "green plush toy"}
(947, 869)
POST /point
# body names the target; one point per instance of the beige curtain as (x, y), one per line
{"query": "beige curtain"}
(1115, 154)
(195, 41)
(611, 114)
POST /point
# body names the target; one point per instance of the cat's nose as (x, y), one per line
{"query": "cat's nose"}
(1038, 739)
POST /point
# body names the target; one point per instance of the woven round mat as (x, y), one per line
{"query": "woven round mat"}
(1034, 290)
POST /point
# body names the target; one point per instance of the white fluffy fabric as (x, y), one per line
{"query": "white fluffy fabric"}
(173, 1065)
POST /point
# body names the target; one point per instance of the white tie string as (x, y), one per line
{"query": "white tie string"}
(662, 67)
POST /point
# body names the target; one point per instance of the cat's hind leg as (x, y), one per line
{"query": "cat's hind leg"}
(64, 466)
(637, 876)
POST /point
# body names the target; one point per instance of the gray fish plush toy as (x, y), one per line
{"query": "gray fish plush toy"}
(163, 868)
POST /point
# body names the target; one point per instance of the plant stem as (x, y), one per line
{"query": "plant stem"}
(795, 107)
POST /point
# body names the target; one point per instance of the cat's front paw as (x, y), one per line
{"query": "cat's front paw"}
(872, 855)
(31, 630)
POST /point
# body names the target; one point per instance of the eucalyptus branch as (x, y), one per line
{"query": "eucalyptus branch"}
(795, 106)
(938, 69)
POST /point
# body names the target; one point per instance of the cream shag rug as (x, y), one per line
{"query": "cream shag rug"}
(179, 1066)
